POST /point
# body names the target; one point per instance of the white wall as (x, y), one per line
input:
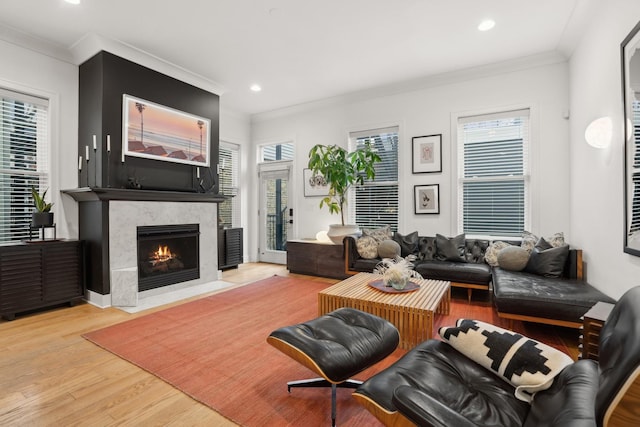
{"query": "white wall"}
(25, 70)
(543, 85)
(597, 203)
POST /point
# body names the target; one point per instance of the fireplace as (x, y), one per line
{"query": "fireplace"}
(167, 254)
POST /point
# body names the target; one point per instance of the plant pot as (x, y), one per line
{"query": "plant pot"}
(337, 232)
(41, 219)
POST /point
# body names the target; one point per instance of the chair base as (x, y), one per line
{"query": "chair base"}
(321, 382)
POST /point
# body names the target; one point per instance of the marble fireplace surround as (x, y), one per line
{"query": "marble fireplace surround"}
(126, 216)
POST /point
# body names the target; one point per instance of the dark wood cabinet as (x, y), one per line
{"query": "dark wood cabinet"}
(36, 275)
(593, 321)
(230, 248)
(316, 258)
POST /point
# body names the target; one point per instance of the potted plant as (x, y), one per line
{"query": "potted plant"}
(42, 216)
(341, 169)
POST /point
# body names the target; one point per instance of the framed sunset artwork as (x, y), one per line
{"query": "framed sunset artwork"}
(157, 132)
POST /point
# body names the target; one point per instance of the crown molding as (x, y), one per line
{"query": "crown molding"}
(92, 43)
(36, 44)
(425, 82)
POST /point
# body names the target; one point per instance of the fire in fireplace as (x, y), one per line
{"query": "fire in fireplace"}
(167, 254)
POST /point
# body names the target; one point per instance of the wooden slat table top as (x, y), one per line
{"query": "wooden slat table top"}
(428, 297)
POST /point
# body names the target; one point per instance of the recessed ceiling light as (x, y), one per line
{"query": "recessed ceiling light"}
(486, 25)
(256, 88)
(73, 1)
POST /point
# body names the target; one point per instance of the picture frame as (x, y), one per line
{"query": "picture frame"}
(158, 132)
(427, 153)
(426, 199)
(314, 185)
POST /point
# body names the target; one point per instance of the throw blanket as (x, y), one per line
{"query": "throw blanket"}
(528, 365)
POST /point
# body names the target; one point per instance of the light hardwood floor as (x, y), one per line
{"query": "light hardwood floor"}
(51, 376)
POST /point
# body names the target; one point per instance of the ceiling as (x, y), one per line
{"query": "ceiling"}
(303, 50)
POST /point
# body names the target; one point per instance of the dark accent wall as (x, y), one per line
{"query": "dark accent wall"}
(104, 79)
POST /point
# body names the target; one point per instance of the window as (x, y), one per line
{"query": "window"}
(493, 180)
(274, 152)
(634, 223)
(229, 162)
(24, 158)
(375, 203)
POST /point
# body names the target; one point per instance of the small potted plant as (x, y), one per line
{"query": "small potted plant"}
(42, 216)
(341, 170)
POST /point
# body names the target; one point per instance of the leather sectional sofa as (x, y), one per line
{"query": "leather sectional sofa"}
(517, 295)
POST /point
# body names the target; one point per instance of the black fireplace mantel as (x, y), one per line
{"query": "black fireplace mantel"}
(90, 194)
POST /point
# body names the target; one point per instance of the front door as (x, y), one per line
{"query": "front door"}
(274, 211)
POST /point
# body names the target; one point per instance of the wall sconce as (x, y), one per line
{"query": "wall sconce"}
(599, 132)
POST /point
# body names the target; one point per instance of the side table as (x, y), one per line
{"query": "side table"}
(316, 258)
(593, 321)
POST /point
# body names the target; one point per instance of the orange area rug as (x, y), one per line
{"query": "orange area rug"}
(214, 349)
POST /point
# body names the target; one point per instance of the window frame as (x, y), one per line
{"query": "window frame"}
(458, 171)
(352, 137)
(44, 155)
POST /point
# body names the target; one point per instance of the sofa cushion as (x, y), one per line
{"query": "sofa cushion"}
(426, 248)
(389, 249)
(513, 258)
(529, 240)
(491, 255)
(367, 247)
(527, 364)
(379, 234)
(475, 250)
(546, 260)
(454, 271)
(557, 298)
(450, 249)
(408, 244)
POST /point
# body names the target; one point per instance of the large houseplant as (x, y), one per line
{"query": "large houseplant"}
(341, 169)
(42, 216)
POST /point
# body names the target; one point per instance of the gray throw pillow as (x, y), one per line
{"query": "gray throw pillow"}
(408, 244)
(513, 258)
(367, 247)
(450, 249)
(491, 256)
(389, 249)
(546, 260)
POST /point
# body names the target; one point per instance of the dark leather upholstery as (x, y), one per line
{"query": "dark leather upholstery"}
(342, 343)
(434, 385)
(555, 298)
(619, 348)
(474, 270)
(460, 385)
(455, 271)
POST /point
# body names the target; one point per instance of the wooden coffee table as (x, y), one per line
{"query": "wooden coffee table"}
(411, 312)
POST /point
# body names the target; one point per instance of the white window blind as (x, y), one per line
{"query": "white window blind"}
(24, 148)
(634, 223)
(229, 163)
(375, 203)
(493, 173)
(274, 152)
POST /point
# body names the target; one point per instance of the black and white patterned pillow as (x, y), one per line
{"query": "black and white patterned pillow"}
(528, 365)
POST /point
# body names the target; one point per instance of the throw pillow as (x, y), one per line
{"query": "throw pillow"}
(491, 256)
(408, 244)
(389, 249)
(528, 365)
(450, 249)
(367, 247)
(513, 258)
(380, 234)
(546, 260)
(426, 248)
(529, 240)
